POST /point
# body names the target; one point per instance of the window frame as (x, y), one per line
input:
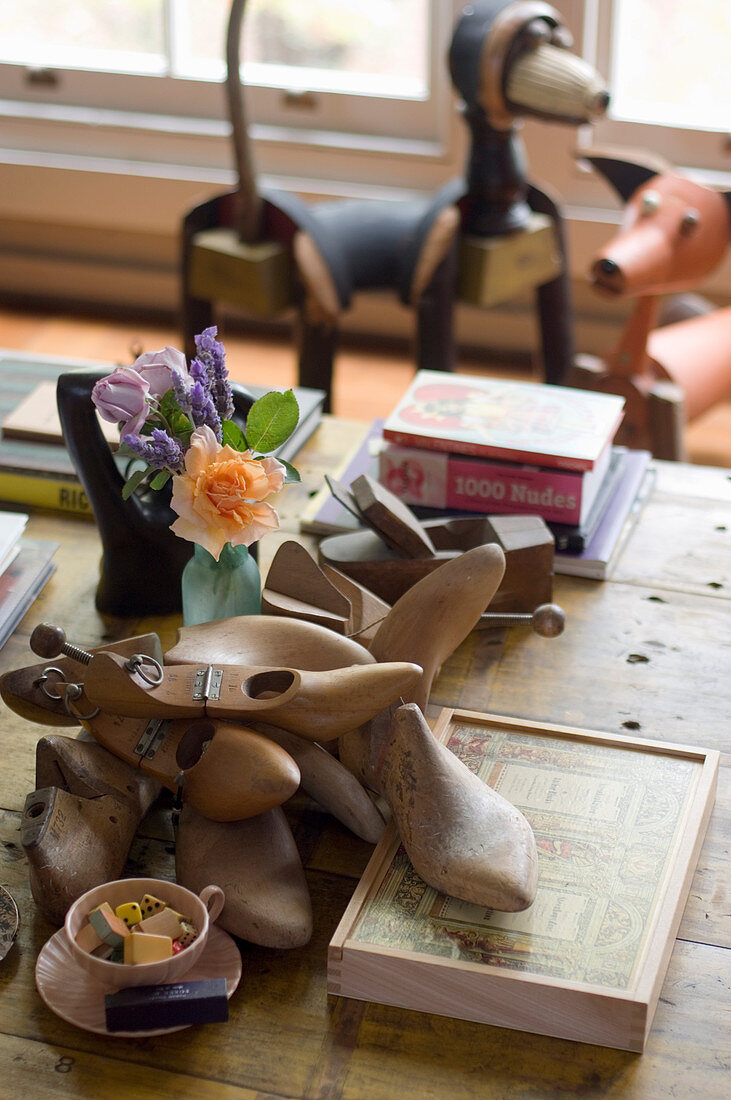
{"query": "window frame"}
(138, 171)
(144, 100)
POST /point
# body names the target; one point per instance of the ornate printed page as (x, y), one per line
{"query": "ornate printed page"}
(607, 821)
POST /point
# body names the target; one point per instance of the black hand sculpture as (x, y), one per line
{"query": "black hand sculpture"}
(142, 560)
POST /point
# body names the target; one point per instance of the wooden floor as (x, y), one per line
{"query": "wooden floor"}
(367, 383)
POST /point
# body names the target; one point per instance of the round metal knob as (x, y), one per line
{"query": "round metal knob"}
(49, 641)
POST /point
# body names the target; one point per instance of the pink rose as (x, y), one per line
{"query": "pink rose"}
(157, 368)
(121, 398)
(219, 498)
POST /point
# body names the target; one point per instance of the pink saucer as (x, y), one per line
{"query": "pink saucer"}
(75, 997)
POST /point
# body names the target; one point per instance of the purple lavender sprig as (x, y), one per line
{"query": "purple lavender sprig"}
(159, 450)
(202, 408)
(212, 353)
(181, 394)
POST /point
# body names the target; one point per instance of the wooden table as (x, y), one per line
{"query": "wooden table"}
(667, 601)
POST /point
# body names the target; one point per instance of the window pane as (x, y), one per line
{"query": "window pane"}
(670, 62)
(376, 46)
(120, 35)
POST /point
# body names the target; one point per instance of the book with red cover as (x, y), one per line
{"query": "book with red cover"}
(501, 419)
(436, 479)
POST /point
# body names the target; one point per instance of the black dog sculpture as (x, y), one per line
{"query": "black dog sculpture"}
(508, 59)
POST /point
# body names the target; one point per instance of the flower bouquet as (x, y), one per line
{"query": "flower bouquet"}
(176, 426)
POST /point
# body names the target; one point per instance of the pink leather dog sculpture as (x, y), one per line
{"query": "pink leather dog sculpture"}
(675, 232)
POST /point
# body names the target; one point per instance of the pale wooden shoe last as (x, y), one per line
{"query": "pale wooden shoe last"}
(320, 705)
(225, 771)
(432, 618)
(266, 640)
(462, 837)
(257, 865)
(331, 784)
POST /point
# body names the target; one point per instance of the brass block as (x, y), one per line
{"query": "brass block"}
(496, 269)
(257, 277)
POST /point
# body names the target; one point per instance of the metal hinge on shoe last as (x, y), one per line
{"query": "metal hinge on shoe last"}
(207, 684)
(152, 737)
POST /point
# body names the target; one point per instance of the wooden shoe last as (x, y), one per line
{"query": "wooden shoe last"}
(257, 865)
(320, 705)
(266, 640)
(226, 772)
(23, 689)
(78, 825)
(428, 622)
(462, 837)
(330, 783)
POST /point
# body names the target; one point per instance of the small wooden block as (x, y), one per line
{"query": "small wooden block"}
(391, 519)
(130, 912)
(496, 269)
(144, 948)
(88, 940)
(150, 904)
(108, 926)
(105, 907)
(295, 585)
(257, 277)
(166, 923)
(190, 932)
(106, 951)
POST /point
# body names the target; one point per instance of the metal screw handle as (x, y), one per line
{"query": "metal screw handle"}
(547, 620)
(49, 641)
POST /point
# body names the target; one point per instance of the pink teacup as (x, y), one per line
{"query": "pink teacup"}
(202, 910)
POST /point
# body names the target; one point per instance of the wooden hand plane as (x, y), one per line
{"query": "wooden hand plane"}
(395, 550)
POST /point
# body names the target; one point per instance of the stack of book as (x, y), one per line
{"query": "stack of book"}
(460, 444)
(36, 470)
(25, 566)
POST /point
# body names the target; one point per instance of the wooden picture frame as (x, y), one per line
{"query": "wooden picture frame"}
(619, 824)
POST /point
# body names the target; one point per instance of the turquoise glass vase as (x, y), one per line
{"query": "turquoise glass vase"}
(219, 589)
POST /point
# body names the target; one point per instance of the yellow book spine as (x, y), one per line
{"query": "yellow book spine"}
(55, 494)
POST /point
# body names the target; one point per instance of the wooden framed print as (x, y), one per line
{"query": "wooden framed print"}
(618, 823)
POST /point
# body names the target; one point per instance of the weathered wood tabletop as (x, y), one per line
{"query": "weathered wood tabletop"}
(648, 651)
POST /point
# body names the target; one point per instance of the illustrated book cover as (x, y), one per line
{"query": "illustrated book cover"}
(23, 580)
(324, 515)
(438, 479)
(619, 825)
(507, 420)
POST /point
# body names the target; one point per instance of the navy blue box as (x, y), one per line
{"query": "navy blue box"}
(149, 1007)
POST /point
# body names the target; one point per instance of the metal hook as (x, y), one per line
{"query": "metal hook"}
(74, 692)
(136, 663)
(42, 682)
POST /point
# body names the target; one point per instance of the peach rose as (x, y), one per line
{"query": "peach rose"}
(219, 497)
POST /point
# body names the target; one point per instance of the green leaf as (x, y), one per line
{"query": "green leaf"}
(161, 478)
(271, 420)
(169, 407)
(291, 475)
(233, 436)
(131, 484)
